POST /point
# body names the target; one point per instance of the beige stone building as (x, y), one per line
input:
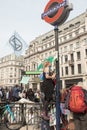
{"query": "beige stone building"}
(72, 56)
(10, 70)
(72, 52)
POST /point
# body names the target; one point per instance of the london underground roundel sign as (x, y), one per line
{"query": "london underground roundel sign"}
(56, 12)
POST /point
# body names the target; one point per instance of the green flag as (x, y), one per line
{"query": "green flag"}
(50, 59)
(40, 66)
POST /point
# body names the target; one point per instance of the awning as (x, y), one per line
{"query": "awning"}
(33, 72)
(25, 79)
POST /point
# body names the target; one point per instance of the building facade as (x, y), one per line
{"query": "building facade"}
(72, 52)
(10, 70)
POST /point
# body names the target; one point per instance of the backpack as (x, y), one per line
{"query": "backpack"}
(77, 100)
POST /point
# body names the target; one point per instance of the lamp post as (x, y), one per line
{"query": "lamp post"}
(57, 80)
(56, 12)
(22, 73)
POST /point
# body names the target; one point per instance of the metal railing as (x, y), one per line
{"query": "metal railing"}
(24, 112)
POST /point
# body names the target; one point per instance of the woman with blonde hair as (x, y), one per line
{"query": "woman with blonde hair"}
(47, 87)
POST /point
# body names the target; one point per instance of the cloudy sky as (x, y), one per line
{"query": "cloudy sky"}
(24, 17)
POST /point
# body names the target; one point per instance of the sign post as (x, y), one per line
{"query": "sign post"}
(56, 12)
(57, 80)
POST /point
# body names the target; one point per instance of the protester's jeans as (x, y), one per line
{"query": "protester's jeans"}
(80, 120)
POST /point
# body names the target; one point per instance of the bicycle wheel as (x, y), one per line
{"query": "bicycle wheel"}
(14, 119)
(34, 123)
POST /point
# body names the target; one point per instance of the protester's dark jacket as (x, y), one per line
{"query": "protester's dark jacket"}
(16, 91)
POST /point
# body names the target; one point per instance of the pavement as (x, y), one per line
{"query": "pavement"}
(3, 127)
(23, 128)
(26, 128)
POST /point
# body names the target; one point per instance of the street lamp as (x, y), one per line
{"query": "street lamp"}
(56, 12)
(57, 80)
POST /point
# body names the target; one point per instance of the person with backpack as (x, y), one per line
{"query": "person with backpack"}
(76, 102)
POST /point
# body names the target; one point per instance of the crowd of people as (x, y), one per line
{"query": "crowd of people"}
(73, 101)
(45, 95)
(17, 92)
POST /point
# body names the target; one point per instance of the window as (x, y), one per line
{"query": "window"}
(79, 68)
(52, 43)
(29, 67)
(14, 75)
(72, 58)
(62, 71)
(15, 81)
(83, 29)
(61, 50)
(45, 54)
(34, 66)
(61, 59)
(50, 53)
(86, 52)
(66, 58)
(66, 70)
(45, 46)
(72, 69)
(42, 48)
(64, 37)
(85, 40)
(10, 80)
(71, 47)
(77, 44)
(26, 68)
(60, 40)
(65, 48)
(78, 55)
